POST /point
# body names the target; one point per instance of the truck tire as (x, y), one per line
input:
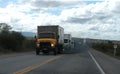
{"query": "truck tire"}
(60, 49)
(37, 52)
(55, 51)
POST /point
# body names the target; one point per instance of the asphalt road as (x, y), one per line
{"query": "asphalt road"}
(81, 60)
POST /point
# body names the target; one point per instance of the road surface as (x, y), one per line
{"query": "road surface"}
(82, 60)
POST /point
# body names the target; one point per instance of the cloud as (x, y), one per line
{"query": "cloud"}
(78, 20)
(87, 14)
(92, 20)
(41, 5)
(101, 14)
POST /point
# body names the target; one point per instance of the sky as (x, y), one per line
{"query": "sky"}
(96, 19)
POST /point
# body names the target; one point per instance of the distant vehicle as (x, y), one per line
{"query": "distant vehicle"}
(72, 44)
(67, 41)
(50, 38)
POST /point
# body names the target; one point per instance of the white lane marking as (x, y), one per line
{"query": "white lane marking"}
(99, 67)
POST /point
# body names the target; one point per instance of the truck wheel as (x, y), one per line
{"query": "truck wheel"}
(55, 51)
(37, 52)
(60, 51)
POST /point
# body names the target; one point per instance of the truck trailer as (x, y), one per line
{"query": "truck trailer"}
(50, 39)
(72, 44)
(67, 41)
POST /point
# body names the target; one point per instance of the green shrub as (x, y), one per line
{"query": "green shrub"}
(11, 40)
(14, 41)
(29, 44)
(106, 47)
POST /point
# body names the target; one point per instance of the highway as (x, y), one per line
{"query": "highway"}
(81, 60)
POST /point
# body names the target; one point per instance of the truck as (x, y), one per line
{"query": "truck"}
(67, 41)
(50, 38)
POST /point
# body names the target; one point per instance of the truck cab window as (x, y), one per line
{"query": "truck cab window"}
(66, 40)
(46, 35)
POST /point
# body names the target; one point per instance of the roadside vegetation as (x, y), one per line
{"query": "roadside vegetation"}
(107, 48)
(12, 41)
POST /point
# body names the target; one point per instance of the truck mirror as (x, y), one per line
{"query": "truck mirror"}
(35, 37)
(58, 36)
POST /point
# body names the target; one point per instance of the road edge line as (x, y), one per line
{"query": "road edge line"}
(97, 64)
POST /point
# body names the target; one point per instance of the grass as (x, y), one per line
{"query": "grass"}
(111, 54)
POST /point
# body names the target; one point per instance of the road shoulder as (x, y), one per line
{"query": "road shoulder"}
(109, 64)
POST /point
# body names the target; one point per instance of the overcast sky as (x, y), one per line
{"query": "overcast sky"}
(98, 19)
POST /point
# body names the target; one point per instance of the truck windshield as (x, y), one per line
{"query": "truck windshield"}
(65, 40)
(46, 35)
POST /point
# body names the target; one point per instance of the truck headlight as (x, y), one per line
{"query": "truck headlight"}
(38, 45)
(52, 45)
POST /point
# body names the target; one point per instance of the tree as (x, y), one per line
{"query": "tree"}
(16, 40)
(4, 27)
(10, 40)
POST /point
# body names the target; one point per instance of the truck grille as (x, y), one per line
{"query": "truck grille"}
(45, 44)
